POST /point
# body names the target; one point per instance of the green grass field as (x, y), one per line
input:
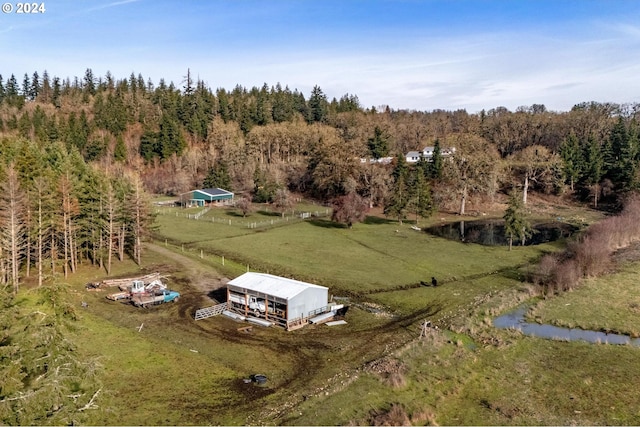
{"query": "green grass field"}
(616, 307)
(367, 258)
(161, 367)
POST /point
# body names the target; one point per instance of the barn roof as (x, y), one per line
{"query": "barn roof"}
(269, 284)
(214, 192)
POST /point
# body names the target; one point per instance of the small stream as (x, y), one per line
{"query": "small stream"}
(515, 320)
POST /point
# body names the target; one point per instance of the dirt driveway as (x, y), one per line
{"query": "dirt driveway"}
(201, 278)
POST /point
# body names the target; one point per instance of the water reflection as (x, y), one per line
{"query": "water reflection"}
(491, 232)
(515, 320)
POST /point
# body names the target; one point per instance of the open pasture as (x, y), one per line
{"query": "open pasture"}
(372, 257)
(375, 369)
(609, 303)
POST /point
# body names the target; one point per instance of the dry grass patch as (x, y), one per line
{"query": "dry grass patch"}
(390, 370)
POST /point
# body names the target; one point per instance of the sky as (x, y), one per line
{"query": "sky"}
(407, 54)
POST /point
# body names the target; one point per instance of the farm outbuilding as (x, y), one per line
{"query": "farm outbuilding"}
(206, 196)
(285, 302)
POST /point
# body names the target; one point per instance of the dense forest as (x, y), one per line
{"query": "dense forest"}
(78, 157)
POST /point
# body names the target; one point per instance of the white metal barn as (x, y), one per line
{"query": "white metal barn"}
(286, 302)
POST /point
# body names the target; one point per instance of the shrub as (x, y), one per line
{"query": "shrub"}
(396, 416)
(591, 254)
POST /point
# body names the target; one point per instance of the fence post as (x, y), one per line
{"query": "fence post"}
(201, 255)
(222, 259)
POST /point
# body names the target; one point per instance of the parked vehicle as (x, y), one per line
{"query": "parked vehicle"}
(137, 287)
(256, 305)
(143, 294)
(158, 297)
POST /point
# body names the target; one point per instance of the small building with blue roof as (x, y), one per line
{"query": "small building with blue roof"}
(206, 196)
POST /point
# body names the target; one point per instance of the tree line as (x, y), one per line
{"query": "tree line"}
(57, 212)
(265, 140)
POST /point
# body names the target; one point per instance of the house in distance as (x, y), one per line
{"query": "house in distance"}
(205, 197)
(427, 154)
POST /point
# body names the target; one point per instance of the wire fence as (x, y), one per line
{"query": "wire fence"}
(295, 216)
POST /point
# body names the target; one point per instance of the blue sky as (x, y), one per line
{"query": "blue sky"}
(414, 54)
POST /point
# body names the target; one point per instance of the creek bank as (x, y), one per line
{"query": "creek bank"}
(515, 320)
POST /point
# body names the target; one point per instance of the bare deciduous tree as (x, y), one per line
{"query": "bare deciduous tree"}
(283, 201)
(245, 206)
(349, 209)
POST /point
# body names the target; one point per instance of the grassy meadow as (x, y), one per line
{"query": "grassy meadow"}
(160, 367)
(616, 308)
(375, 256)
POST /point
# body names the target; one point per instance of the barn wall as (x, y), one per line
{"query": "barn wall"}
(307, 301)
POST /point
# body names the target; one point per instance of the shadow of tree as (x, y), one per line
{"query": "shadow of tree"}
(325, 223)
(376, 220)
(235, 214)
(269, 213)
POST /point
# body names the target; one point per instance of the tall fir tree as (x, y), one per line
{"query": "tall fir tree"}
(516, 224)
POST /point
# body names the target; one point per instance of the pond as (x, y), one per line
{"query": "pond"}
(491, 232)
(515, 320)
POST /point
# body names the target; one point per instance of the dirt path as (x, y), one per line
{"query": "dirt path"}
(201, 277)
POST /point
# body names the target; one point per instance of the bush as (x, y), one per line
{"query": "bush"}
(591, 254)
(396, 416)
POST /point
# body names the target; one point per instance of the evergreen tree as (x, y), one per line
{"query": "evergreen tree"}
(595, 167)
(420, 201)
(41, 378)
(282, 104)
(2, 90)
(218, 177)
(120, 150)
(379, 143)
(348, 103)
(24, 125)
(34, 87)
(263, 109)
(57, 91)
(39, 123)
(401, 169)
(149, 145)
(318, 106)
(515, 221)
(436, 161)
(12, 87)
(46, 93)
(26, 87)
(224, 109)
(629, 156)
(12, 93)
(89, 86)
(300, 105)
(398, 201)
(264, 191)
(572, 158)
(170, 138)
(51, 128)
